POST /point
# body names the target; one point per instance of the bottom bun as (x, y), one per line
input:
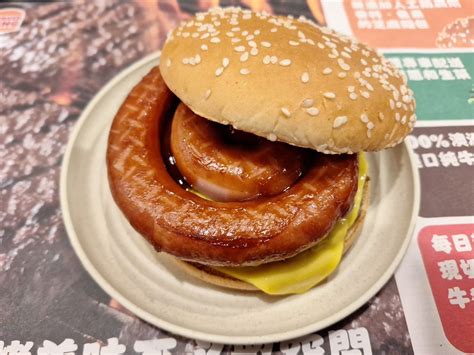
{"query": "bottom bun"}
(208, 274)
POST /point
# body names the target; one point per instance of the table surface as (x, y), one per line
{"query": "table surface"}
(62, 53)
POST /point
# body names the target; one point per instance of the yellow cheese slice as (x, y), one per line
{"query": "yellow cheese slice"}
(302, 272)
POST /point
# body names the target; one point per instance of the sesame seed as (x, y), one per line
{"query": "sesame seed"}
(252, 44)
(364, 118)
(256, 32)
(345, 54)
(312, 111)
(339, 121)
(381, 116)
(168, 63)
(244, 57)
(266, 44)
(363, 61)
(239, 49)
(249, 37)
(185, 60)
(342, 75)
(365, 94)
(208, 93)
(205, 35)
(204, 47)
(186, 34)
(244, 71)
(285, 111)
(273, 59)
(301, 34)
(353, 96)
(404, 119)
(304, 77)
(230, 34)
(310, 41)
(332, 56)
(369, 133)
(254, 51)
(351, 88)
(273, 29)
(285, 62)
(272, 137)
(197, 59)
(245, 33)
(215, 40)
(343, 65)
(307, 103)
(370, 87)
(397, 116)
(266, 59)
(320, 45)
(327, 71)
(392, 104)
(398, 104)
(225, 62)
(235, 29)
(195, 35)
(396, 95)
(329, 95)
(219, 71)
(235, 40)
(293, 43)
(370, 125)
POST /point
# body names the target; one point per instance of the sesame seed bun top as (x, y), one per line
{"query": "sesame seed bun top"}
(287, 79)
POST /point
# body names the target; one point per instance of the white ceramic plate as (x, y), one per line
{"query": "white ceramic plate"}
(150, 285)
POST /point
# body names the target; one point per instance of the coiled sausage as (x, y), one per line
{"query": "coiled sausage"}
(178, 222)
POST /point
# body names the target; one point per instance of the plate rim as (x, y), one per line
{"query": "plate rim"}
(194, 334)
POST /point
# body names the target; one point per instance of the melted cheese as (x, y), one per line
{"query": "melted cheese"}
(302, 272)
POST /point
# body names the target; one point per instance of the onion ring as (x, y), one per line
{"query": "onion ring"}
(191, 228)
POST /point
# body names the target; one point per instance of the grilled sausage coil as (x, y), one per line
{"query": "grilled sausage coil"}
(232, 233)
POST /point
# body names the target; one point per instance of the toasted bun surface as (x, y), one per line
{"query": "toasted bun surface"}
(212, 276)
(289, 80)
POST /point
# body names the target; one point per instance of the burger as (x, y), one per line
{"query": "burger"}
(242, 154)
